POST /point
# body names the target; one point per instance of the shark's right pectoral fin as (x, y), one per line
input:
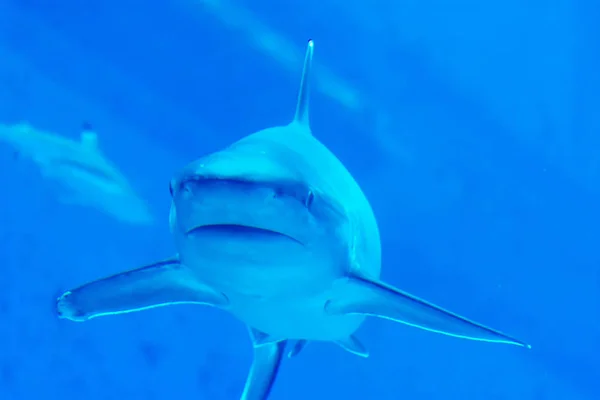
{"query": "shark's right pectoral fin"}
(160, 284)
(367, 297)
(265, 365)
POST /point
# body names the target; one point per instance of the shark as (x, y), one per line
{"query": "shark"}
(84, 174)
(274, 230)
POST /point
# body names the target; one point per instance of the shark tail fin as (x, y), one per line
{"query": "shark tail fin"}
(302, 115)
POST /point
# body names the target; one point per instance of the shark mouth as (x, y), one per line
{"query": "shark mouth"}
(240, 230)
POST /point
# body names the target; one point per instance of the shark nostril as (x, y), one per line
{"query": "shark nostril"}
(277, 192)
(185, 187)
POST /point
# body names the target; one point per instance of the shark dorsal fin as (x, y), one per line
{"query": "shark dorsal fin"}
(89, 139)
(301, 116)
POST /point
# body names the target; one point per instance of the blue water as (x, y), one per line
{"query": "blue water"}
(475, 136)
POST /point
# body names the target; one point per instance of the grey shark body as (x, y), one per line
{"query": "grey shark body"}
(274, 230)
(83, 173)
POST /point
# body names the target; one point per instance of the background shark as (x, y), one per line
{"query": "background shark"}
(274, 230)
(85, 175)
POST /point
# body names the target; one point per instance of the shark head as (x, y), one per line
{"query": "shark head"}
(256, 203)
(253, 187)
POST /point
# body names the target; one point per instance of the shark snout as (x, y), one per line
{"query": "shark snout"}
(206, 193)
(240, 163)
(236, 208)
(202, 201)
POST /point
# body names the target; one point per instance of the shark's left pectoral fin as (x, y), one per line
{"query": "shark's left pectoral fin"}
(363, 296)
(158, 284)
(265, 365)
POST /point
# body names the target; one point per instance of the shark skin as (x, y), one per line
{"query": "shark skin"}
(274, 230)
(83, 172)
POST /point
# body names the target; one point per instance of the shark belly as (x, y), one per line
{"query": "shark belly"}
(294, 318)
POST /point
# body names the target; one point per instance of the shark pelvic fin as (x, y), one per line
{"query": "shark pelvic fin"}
(260, 338)
(263, 372)
(297, 348)
(302, 106)
(159, 284)
(354, 346)
(363, 296)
